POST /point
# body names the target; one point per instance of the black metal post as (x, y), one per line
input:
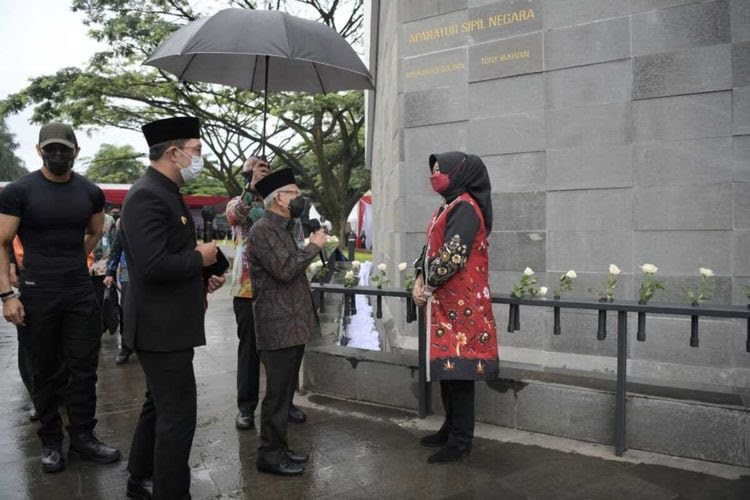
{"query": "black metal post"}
(641, 326)
(511, 321)
(350, 247)
(517, 318)
(321, 302)
(693, 331)
(348, 304)
(379, 310)
(556, 329)
(747, 342)
(622, 367)
(353, 309)
(424, 386)
(409, 317)
(601, 331)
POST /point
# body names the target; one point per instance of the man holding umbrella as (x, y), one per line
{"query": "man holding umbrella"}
(283, 311)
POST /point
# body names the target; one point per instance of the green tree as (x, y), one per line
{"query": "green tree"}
(11, 166)
(330, 160)
(116, 164)
(115, 90)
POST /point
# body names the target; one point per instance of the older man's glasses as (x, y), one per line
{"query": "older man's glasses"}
(196, 149)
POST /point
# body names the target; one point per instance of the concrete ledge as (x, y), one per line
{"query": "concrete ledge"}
(706, 422)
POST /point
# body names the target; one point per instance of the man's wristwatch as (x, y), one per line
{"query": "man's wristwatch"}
(12, 294)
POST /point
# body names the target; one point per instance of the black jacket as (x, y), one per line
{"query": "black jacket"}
(165, 302)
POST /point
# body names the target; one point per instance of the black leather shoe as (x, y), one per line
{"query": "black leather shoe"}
(285, 468)
(52, 458)
(449, 453)
(296, 416)
(140, 489)
(88, 447)
(434, 440)
(297, 458)
(244, 421)
(123, 356)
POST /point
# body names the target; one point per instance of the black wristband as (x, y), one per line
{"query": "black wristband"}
(6, 294)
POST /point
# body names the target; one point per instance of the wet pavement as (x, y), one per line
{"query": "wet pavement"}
(358, 450)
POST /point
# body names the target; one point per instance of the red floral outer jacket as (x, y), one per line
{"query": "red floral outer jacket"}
(461, 325)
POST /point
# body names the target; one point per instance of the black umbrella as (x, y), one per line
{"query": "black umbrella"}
(262, 50)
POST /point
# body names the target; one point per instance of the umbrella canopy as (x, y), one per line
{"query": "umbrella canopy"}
(262, 50)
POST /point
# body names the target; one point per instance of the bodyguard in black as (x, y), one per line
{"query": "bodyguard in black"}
(165, 306)
(58, 215)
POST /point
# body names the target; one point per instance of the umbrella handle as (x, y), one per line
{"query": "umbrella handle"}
(265, 106)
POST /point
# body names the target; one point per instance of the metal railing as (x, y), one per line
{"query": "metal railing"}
(622, 307)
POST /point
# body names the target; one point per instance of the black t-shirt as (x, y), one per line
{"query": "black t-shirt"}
(53, 224)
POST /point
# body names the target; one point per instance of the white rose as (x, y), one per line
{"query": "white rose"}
(528, 271)
(543, 290)
(349, 275)
(614, 270)
(706, 272)
(571, 274)
(307, 241)
(381, 267)
(316, 265)
(649, 268)
(356, 264)
(333, 239)
(402, 267)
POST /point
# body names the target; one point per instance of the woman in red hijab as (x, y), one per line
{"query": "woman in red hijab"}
(453, 283)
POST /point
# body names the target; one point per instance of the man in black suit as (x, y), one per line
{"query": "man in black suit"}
(165, 306)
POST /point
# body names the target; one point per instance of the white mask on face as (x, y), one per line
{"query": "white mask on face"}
(192, 171)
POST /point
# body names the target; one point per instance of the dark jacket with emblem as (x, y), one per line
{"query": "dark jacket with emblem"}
(165, 303)
(283, 306)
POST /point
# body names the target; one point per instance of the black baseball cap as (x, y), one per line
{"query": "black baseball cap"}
(56, 132)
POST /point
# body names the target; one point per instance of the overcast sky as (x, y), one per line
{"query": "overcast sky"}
(38, 37)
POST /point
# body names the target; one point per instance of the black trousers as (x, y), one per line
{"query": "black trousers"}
(123, 291)
(282, 367)
(458, 401)
(98, 282)
(62, 336)
(248, 362)
(24, 364)
(164, 433)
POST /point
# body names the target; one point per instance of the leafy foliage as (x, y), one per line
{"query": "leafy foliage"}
(116, 164)
(320, 137)
(11, 166)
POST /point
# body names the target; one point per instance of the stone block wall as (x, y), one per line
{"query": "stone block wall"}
(615, 131)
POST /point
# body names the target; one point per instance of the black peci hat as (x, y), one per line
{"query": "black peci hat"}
(171, 129)
(274, 181)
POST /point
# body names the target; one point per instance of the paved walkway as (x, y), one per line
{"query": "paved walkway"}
(358, 451)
